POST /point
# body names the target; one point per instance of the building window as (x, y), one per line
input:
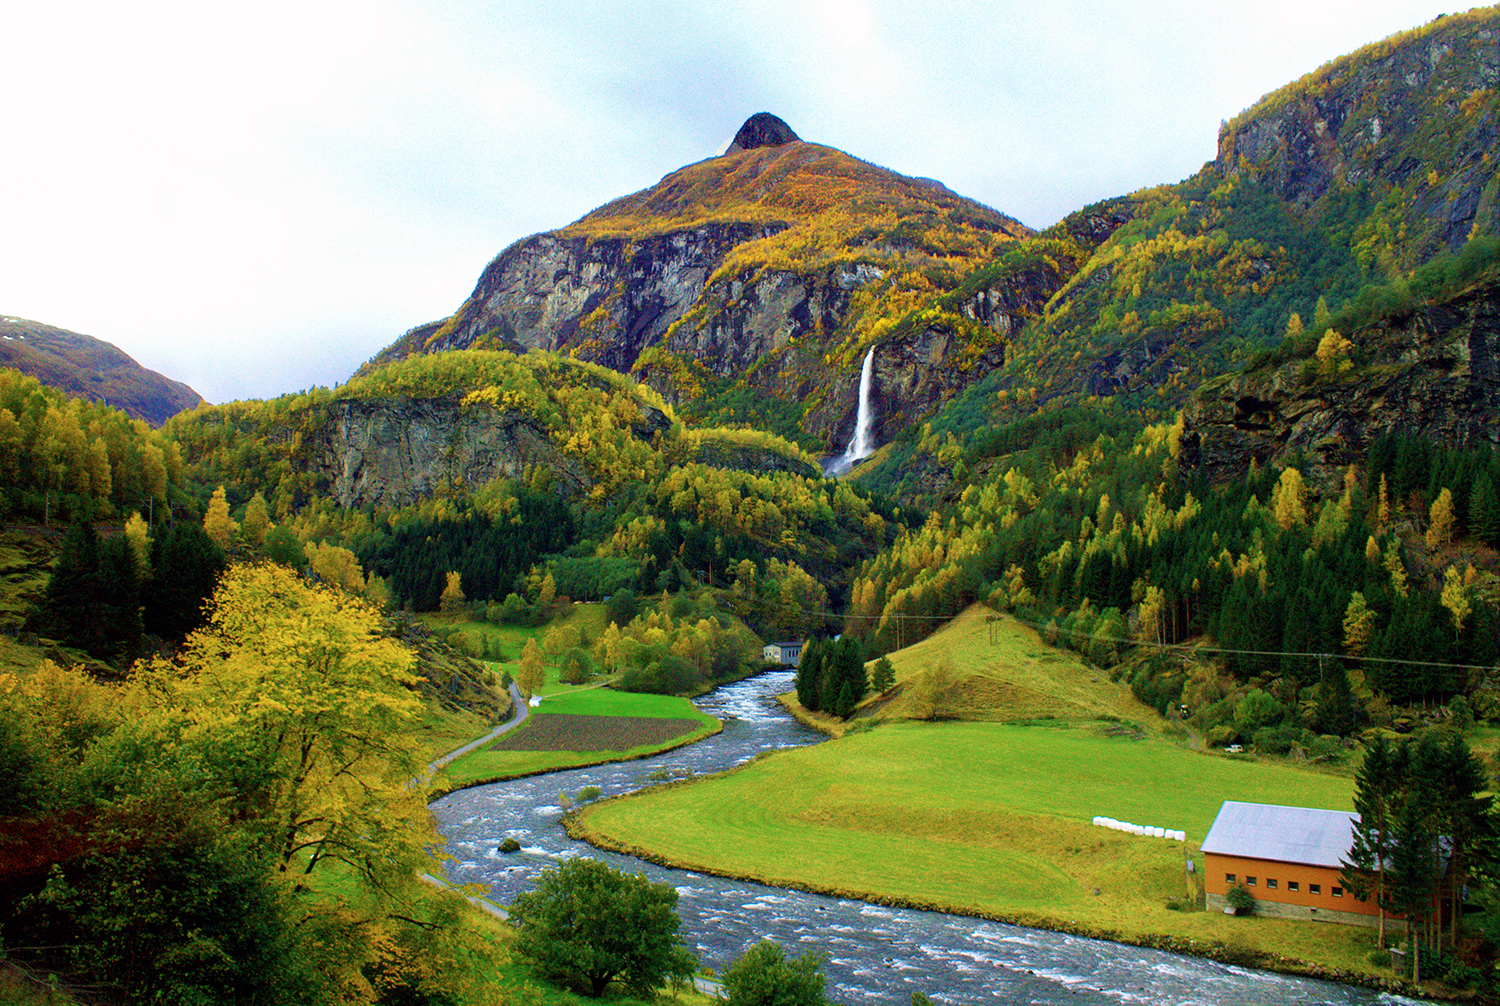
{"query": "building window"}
(1337, 892)
(1228, 878)
(1249, 881)
(1271, 883)
(1292, 885)
(1314, 888)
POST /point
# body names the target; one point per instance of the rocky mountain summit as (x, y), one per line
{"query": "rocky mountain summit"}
(772, 270)
(762, 130)
(768, 265)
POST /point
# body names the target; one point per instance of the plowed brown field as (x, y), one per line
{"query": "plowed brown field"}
(572, 732)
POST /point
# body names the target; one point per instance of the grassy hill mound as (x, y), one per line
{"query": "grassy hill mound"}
(983, 666)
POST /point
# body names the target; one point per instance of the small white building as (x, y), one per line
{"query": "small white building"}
(787, 654)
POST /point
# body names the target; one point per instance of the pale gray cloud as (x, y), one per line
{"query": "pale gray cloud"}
(256, 199)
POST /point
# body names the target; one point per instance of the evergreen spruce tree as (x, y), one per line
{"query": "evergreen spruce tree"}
(1376, 796)
(1409, 877)
(809, 675)
(187, 566)
(119, 602)
(70, 609)
(1463, 813)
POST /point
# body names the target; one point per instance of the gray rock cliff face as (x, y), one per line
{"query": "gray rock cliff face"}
(614, 296)
(396, 451)
(1439, 379)
(608, 300)
(1390, 117)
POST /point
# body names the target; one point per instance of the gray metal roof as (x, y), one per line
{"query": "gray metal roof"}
(1288, 834)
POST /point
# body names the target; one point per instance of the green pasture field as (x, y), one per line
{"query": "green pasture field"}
(486, 765)
(989, 819)
(590, 619)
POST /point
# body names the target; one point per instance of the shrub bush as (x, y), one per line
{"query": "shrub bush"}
(1239, 899)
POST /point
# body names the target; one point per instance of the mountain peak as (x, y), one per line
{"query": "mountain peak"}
(762, 130)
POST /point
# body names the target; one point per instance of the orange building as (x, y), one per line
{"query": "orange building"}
(1287, 858)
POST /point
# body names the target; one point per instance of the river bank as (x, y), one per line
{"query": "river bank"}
(876, 952)
(1230, 953)
(849, 820)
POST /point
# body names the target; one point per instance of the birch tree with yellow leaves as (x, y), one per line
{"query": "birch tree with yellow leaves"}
(295, 678)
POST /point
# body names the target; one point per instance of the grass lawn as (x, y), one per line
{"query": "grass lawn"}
(990, 819)
(1000, 671)
(487, 765)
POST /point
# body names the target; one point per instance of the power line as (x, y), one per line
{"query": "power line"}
(1040, 626)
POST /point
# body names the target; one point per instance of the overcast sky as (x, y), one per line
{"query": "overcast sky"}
(256, 198)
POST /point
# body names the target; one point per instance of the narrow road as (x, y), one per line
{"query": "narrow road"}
(522, 711)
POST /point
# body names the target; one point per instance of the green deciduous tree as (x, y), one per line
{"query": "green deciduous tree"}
(587, 925)
(764, 976)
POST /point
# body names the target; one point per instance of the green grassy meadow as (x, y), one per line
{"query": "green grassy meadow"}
(984, 666)
(488, 765)
(587, 620)
(984, 818)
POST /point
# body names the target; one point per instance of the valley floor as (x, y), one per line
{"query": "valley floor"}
(993, 820)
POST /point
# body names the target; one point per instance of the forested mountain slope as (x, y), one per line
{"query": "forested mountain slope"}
(775, 267)
(749, 286)
(91, 368)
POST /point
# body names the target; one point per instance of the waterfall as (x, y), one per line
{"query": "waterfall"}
(861, 443)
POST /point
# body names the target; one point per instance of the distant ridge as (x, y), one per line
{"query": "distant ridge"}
(86, 367)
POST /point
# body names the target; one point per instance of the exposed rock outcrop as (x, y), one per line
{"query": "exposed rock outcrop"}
(397, 451)
(701, 267)
(762, 130)
(1435, 374)
(1417, 111)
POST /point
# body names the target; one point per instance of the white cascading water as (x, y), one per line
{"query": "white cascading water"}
(860, 444)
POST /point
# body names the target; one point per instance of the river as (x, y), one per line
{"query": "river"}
(876, 954)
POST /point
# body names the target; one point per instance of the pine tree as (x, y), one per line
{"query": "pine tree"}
(70, 609)
(119, 602)
(1484, 510)
(187, 565)
(884, 676)
(1376, 787)
(1465, 816)
(1409, 877)
(809, 674)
